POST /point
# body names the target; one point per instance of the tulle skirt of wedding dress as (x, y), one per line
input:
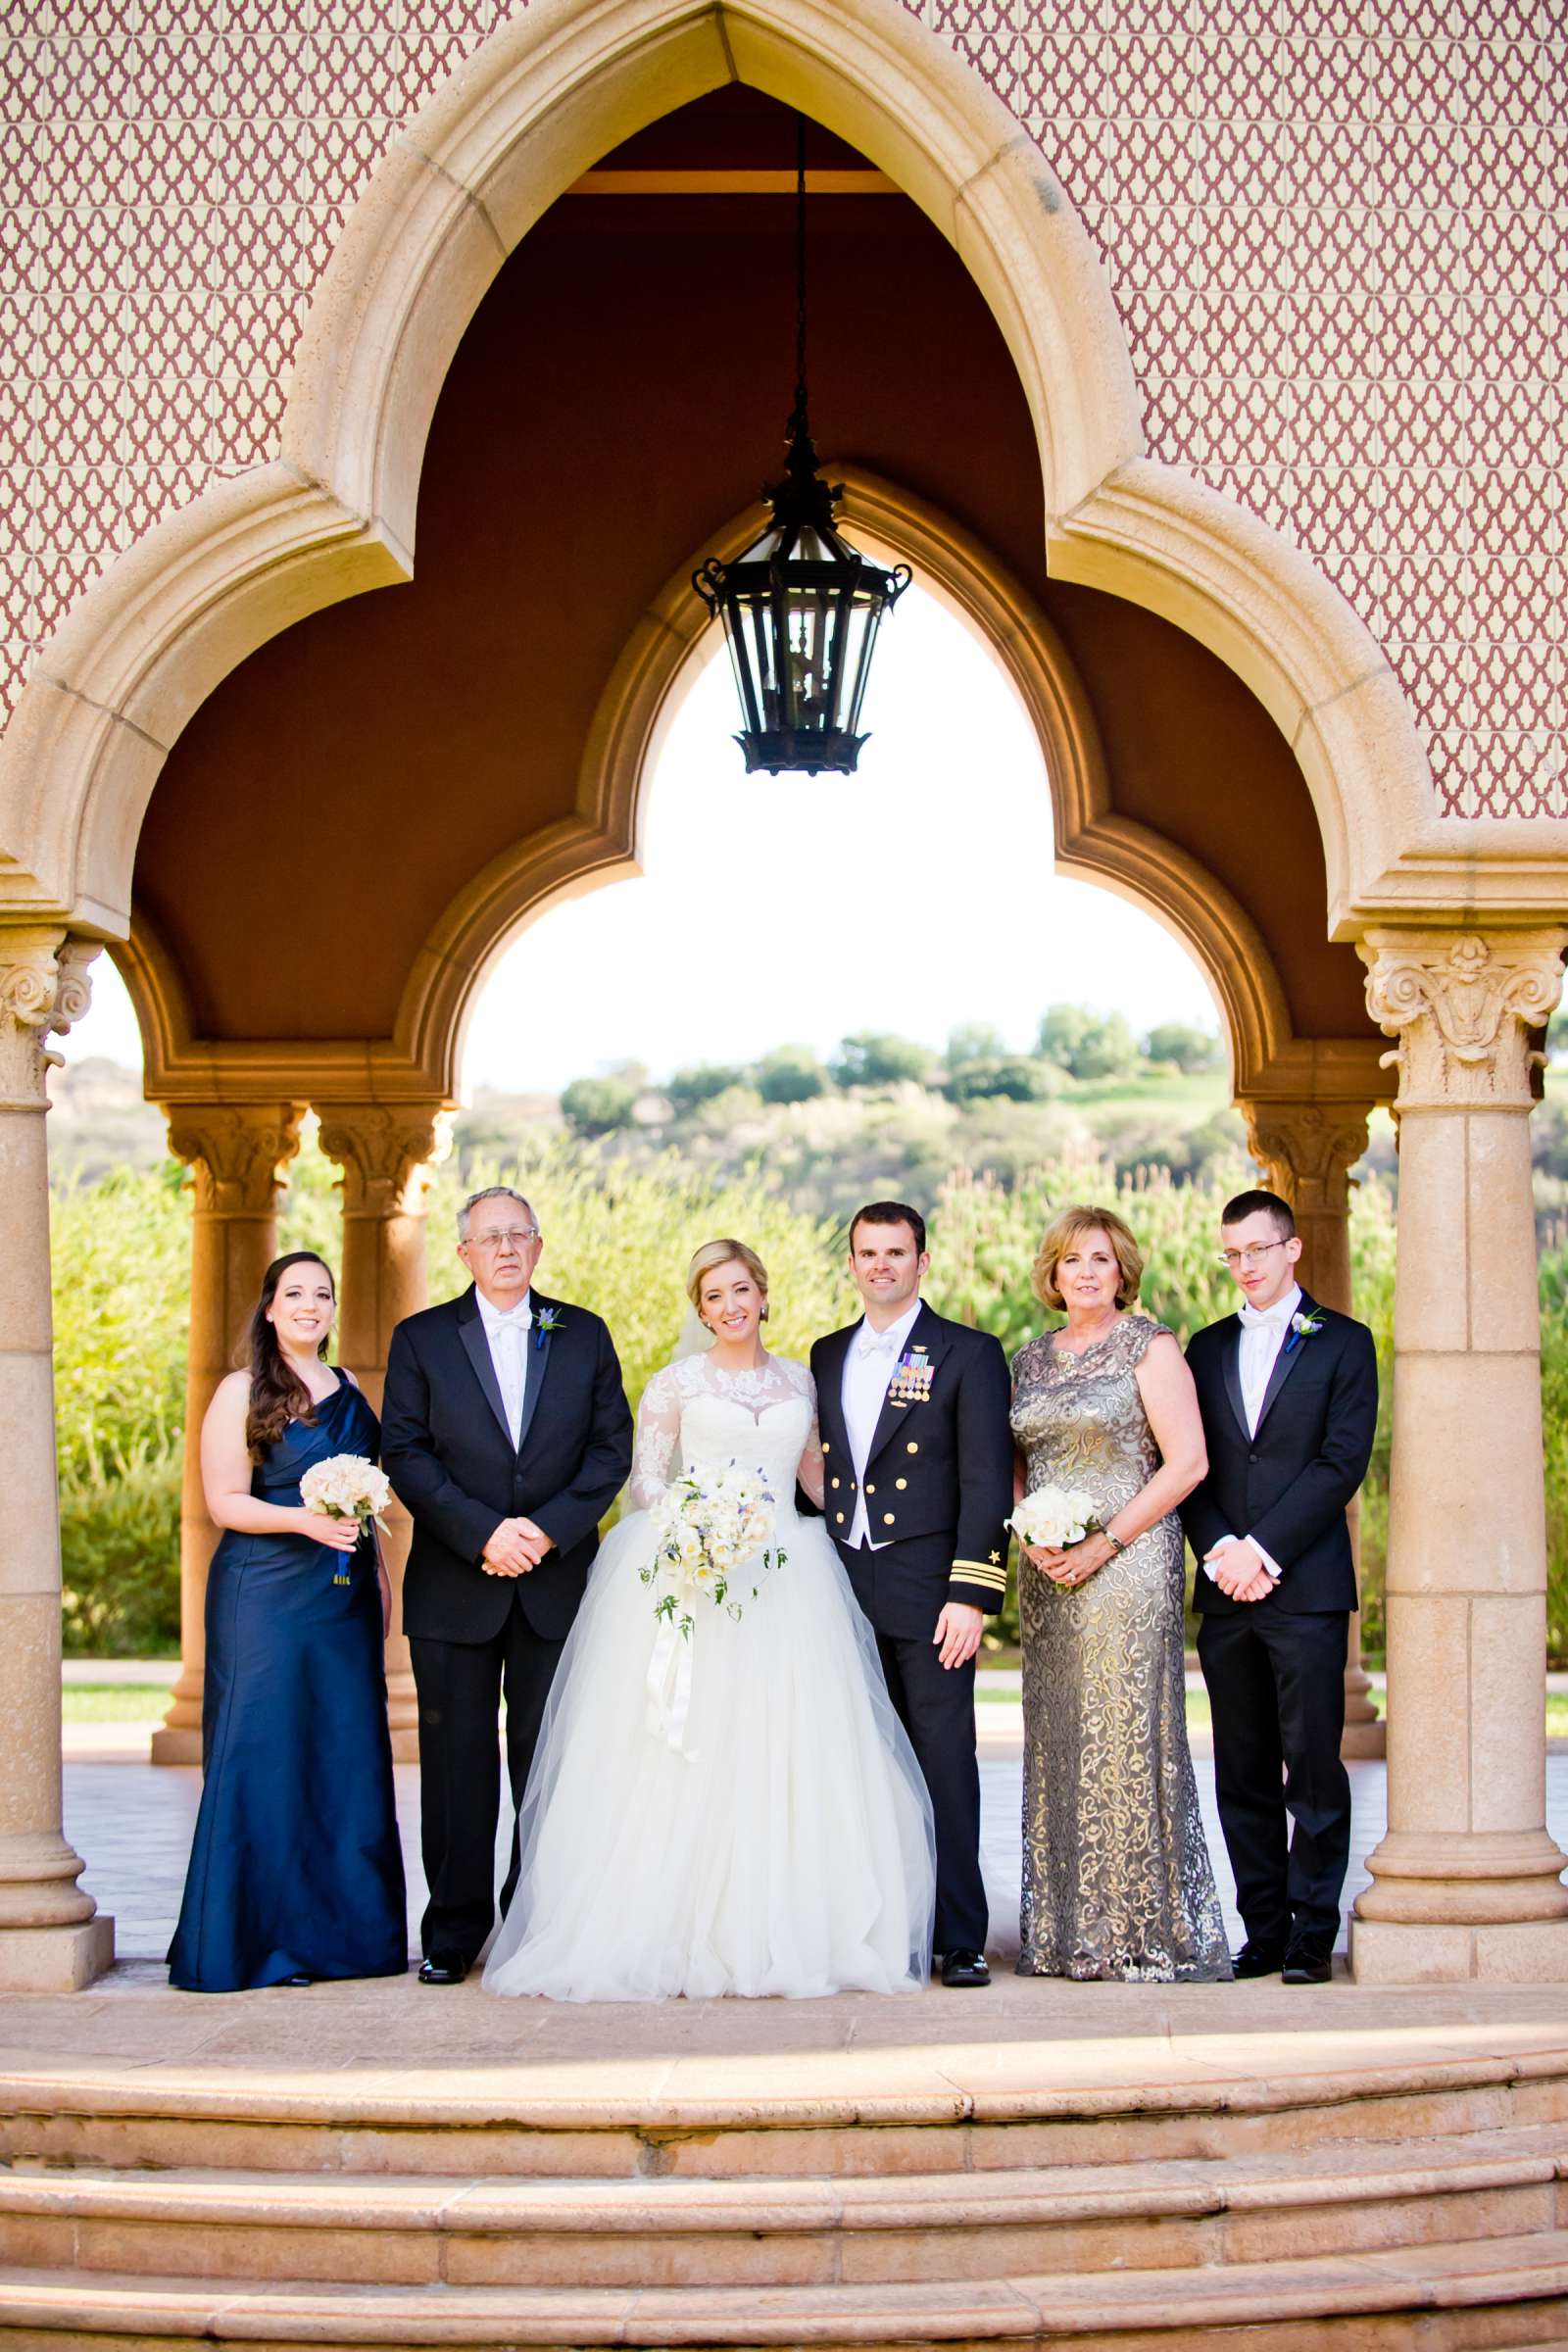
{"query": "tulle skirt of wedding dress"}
(785, 1848)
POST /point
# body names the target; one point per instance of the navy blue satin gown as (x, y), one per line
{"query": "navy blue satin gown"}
(295, 1867)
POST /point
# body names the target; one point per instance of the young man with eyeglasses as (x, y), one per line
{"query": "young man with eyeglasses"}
(505, 1432)
(1288, 1395)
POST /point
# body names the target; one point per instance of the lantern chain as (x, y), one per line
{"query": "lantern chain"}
(797, 422)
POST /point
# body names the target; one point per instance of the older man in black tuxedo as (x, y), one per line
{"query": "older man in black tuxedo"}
(505, 1431)
(1288, 1395)
(918, 1487)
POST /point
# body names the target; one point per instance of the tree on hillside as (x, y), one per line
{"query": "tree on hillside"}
(973, 1040)
(1189, 1048)
(1006, 1077)
(1085, 1043)
(689, 1089)
(874, 1058)
(790, 1074)
(598, 1105)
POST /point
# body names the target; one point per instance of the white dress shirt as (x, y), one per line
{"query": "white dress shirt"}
(868, 1370)
(507, 1334)
(1263, 1335)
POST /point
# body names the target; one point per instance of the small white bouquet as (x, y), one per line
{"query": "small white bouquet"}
(708, 1526)
(346, 1487)
(1054, 1517)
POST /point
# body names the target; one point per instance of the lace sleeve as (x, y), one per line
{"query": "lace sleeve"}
(658, 1438)
(810, 1473)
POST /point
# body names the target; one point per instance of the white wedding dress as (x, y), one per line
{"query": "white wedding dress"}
(771, 1834)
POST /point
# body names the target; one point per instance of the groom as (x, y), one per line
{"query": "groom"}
(917, 1488)
(1288, 1395)
(505, 1432)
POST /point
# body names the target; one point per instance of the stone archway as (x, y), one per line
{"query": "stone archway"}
(334, 514)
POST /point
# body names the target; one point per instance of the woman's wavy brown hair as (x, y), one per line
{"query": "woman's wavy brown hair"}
(278, 1395)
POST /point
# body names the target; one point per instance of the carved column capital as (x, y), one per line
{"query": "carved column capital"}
(1462, 1005)
(1307, 1150)
(44, 990)
(388, 1153)
(237, 1152)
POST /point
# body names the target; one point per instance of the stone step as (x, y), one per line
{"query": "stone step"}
(1473, 2296)
(125, 2118)
(687, 2233)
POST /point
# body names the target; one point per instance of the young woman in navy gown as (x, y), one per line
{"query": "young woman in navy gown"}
(296, 1871)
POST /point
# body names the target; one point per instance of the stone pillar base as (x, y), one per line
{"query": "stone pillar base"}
(1359, 1741)
(175, 1746)
(1386, 1951)
(56, 1959)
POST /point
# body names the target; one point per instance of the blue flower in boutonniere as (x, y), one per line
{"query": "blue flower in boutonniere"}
(1303, 1328)
(547, 1320)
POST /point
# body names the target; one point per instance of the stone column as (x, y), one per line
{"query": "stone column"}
(1307, 1151)
(388, 1156)
(237, 1153)
(52, 1937)
(1466, 1883)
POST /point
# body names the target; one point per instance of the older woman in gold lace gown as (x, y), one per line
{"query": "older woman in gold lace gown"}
(1116, 1874)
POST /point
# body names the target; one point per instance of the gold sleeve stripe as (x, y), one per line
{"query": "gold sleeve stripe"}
(970, 1572)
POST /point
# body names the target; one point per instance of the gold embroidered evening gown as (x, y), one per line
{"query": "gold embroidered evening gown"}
(1116, 1874)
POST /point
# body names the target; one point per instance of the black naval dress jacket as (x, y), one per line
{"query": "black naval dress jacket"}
(938, 1478)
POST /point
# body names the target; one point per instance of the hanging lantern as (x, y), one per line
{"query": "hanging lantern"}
(802, 607)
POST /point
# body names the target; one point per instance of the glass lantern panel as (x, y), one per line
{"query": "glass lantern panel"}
(808, 622)
(860, 631)
(760, 637)
(735, 644)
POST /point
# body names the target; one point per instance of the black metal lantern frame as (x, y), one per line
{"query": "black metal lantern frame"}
(800, 607)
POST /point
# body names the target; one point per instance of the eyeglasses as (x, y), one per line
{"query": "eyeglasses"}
(517, 1235)
(1231, 1259)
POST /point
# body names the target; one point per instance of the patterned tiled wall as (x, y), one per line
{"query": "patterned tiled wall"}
(1336, 235)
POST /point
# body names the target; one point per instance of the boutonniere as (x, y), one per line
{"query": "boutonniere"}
(547, 1320)
(1303, 1328)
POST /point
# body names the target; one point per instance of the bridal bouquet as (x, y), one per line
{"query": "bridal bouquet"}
(1053, 1517)
(705, 1530)
(346, 1487)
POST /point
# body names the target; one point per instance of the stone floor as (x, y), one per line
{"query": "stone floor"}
(134, 1824)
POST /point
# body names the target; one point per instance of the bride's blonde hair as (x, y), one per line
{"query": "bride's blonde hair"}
(725, 1254)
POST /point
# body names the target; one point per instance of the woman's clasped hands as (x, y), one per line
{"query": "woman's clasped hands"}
(1074, 1563)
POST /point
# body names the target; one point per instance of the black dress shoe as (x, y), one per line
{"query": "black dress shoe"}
(296, 1980)
(963, 1969)
(443, 1968)
(1259, 1960)
(1305, 1966)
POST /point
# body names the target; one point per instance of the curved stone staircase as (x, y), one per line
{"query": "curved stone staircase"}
(1423, 2206)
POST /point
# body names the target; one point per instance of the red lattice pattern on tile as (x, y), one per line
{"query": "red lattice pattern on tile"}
(1338, 256)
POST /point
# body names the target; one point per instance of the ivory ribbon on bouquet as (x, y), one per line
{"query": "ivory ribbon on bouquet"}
(670, 1687)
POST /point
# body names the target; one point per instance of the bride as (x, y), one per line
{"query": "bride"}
(762, 1825)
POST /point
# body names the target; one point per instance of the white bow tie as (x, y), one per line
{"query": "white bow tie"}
(877, 1344)
(519, 1319)
(1273, 1318)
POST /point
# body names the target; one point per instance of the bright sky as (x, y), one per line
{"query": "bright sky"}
(915, 896)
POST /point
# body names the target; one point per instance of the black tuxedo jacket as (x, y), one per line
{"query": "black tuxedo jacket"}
(447, 1450)
(1288, 1485)
(938, 1479)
